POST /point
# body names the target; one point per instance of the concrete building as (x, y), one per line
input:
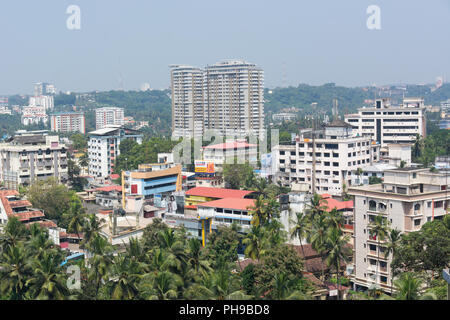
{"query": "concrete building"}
(68, 122)
(284, 116)
(386, 123)
(234, 98)
(43, 88)
(226, 152)
(107, 116)
(152, 179)
(11, 205)
(47, 102)
(5, 110)
(103, 148)
(407, 198)
(34, 115)
(32, 155)
(187, 101)
(338, 152)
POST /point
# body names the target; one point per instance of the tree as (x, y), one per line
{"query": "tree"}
(124, 278)
(318, 236)
(53, 198)
(48, 281)
(301, 228)
(75, 216)
(15, 270)
(378, 229)
(237, 176)
(393, 238)
(408, 287)
(336, 250)
(359, 172)
(255, 243)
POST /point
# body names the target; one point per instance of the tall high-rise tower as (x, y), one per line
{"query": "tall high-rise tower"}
(234, 98)
(187, 101)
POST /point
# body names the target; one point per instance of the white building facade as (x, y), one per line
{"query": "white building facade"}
(187, 101)
(407, 199)
(103, 148)
(32, 156)
(109, 116)
(68, 122)
(391, 124)
(337, 154)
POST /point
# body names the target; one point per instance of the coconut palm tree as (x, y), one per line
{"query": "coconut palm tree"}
(91, 226)
(317, 205)
(48, 281)
(160, 286)
(336, 250)
(408, 286)
(15, 270)
(393, 242)
(194, 256)
(255, 242)
(100, 261)
(318, 236)
(125, 275)
(13, 232)
(259, 211)
(359, 172)
(378, 229)
(301, 228)
(334, 218)
(76, 217)
(38, 242)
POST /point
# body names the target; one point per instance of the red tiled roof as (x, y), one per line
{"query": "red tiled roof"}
(339, 205)
(44, 223)
(217, 192)
(229, 203)
(27, 215)
(109, 188)
(230, 145)
(114, 176)
(20, 203)
(192, 207)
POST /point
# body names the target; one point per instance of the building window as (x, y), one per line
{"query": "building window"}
(417, 222)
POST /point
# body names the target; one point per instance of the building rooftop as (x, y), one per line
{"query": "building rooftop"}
(229, 203)
(217, 192)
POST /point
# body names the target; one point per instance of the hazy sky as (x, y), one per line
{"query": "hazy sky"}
(294, 41)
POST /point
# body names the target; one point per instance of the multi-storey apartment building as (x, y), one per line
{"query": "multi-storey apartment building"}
(108, 116)
(68, 122)
(33, 115)
(408, 198)
(103, 148)
(338, 152)
(234, 98)
(187, 101)
(43, 88)
(29, 156)
(227, 97)
(47, 102)
(386, 123)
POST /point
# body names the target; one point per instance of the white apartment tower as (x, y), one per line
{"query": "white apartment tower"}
(386, 123)
(227, 96)
(103, 148)
(234, 98)
(338, 152)
(407, 198)
(187, 101)
(68, 122)
(108, 116)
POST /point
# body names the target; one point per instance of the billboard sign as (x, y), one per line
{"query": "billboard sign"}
(204, 166)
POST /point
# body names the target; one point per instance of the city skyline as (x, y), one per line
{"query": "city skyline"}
(127, 45)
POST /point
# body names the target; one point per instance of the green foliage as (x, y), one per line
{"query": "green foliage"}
(132, 154)
(238, 176)
(375, 180)
(426, 150)
(55, 199)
